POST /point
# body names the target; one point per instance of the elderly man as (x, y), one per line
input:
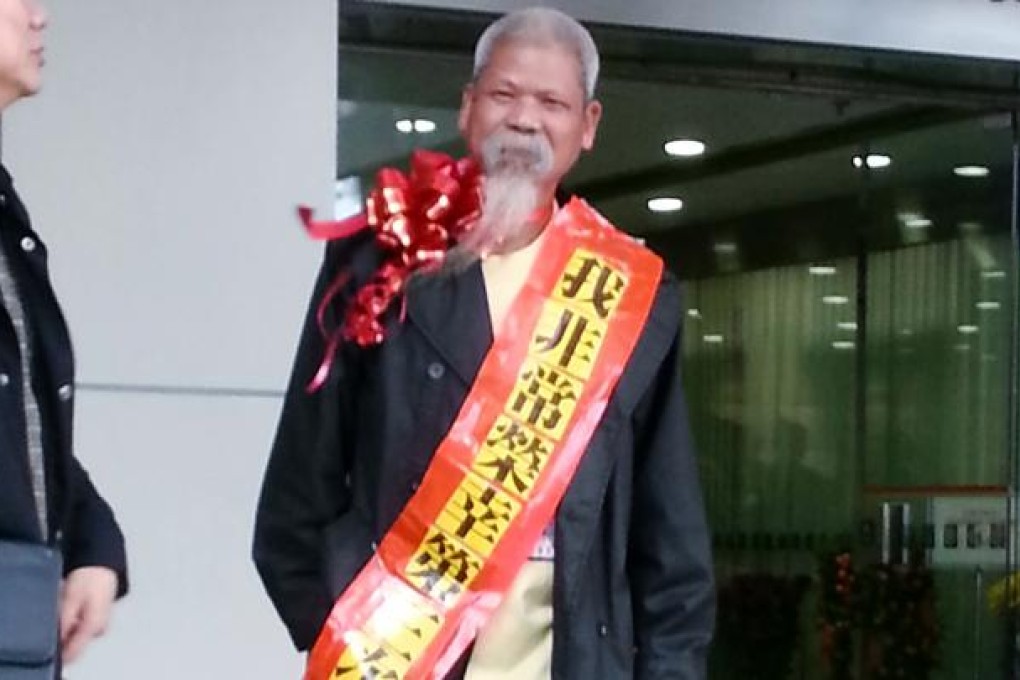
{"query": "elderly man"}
(61, 552)
(494, 478)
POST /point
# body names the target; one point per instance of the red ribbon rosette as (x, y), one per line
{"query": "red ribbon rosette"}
(417, 217)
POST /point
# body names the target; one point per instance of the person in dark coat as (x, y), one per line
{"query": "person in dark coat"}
(620, 585)
(46, 496)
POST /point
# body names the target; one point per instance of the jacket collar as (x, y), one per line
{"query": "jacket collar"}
(452, 312)
(12, 208)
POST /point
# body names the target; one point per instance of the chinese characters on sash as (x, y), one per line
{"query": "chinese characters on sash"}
(562, 354)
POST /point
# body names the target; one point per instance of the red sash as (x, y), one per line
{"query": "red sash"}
(497, 478)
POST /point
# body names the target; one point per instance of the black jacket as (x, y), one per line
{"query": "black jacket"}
(81, 522)
(633, 591)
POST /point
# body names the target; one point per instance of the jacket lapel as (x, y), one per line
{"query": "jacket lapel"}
(452, 313)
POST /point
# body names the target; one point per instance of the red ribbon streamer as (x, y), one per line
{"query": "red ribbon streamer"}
(417, 217)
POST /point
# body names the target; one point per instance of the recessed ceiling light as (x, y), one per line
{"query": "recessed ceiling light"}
(843, 344)
(424, 126)
(969, 227)
(725, 247)
(821, 270)
(875, 161)
(694, 313)
(906, 332)
(835, 299)
(713, 339)
(967, 328)
(405, 126)
(847, 325)
(993, 274)
(970, 171)
(665, 204)
(962, 347)
(684, 147)
(988, 305)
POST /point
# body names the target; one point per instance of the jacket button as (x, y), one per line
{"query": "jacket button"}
(603, 630)
(436, 370)
(5, 380)
(65, 392)
(28, 244)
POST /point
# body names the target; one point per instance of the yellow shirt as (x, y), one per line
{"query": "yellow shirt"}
(516, 644)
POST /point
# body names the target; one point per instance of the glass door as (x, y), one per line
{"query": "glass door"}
(844, 226)
(854, 416)
(937, 369)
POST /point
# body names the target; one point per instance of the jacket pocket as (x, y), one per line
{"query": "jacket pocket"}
(346, 547)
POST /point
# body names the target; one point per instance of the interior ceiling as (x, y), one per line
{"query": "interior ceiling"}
(781, 124)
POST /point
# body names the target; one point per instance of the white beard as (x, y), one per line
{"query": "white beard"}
(513, 164)
(508, 202)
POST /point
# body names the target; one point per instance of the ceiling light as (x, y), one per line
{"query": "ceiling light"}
(684, 147)
(906, 332)
(665, 204)
(914, 220)
(713, 339)
(967, 328)
(835, 299)
(694, 313)
(843, 344)
(875, 161)
(969, 227)
(821, 270)
(970, 171)
(424, 126)
(993, 274)
(405, 126)
(725, 247)
(962, 347)
(847, 325)
(988, 305)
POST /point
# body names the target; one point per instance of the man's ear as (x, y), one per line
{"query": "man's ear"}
(592, 116)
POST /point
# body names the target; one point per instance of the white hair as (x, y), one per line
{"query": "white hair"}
(542, 25)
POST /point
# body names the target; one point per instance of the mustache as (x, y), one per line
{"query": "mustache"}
(517, 153)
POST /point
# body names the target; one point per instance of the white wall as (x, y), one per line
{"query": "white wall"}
(162, 164)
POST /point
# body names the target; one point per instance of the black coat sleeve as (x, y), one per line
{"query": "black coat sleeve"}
(305, 484)
(669, 560)
(92, 537)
